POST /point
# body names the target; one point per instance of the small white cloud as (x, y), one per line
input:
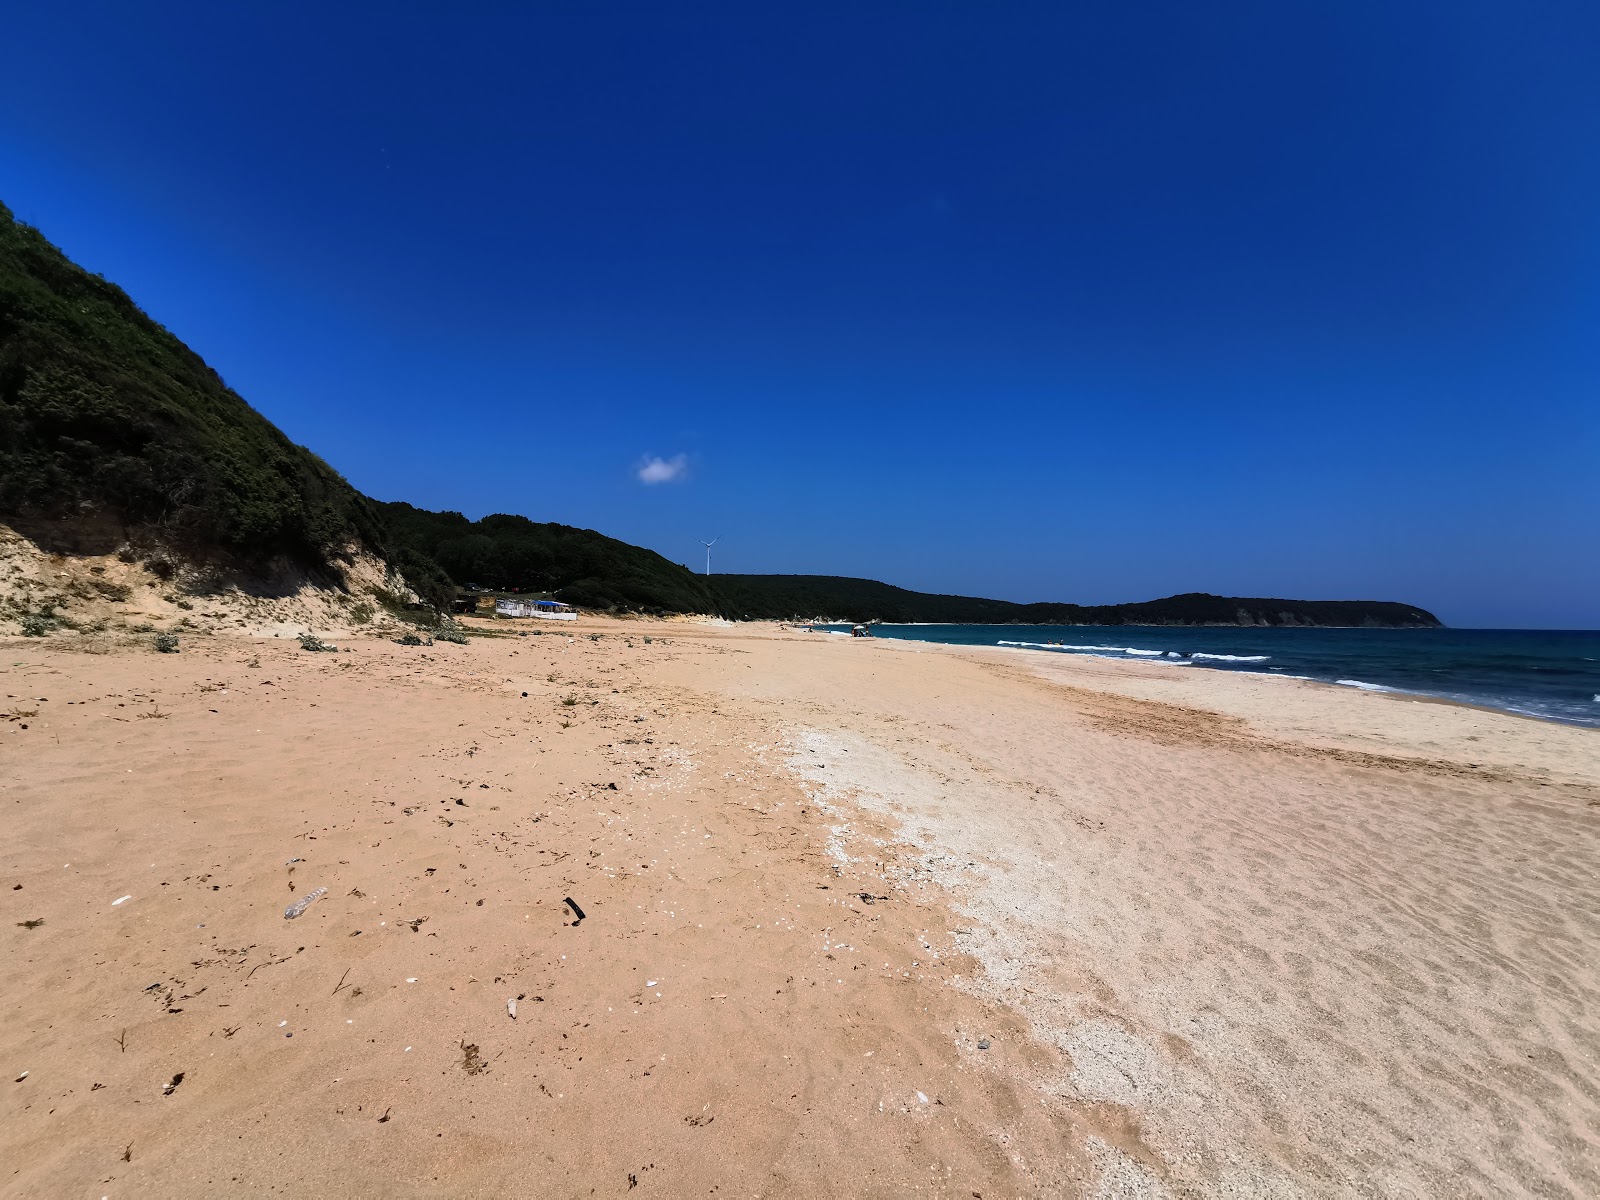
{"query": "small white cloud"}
(654, 469)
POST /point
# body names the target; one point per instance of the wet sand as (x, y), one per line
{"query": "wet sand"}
(863, 918)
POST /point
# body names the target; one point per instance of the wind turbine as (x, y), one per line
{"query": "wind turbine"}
(708, 546)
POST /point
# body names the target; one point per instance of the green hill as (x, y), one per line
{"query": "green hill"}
(110, 426)
(780, 597)
(579, 566)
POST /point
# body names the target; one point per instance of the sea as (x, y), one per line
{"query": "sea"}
(1553, 675)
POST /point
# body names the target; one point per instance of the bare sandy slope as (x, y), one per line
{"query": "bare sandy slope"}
(861, 918)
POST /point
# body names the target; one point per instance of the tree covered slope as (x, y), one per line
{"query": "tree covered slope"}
(579, 566)
(786, 596)
(104, 413)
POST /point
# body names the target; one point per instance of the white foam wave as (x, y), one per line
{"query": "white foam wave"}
(1178, 658)
(1059, 646)
(1365, 687)
(1101, 650)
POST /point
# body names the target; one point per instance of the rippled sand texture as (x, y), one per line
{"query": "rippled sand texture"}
(862, 918)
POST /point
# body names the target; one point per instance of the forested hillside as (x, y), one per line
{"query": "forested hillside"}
(786, 596)
(105, 414)
(579, 566)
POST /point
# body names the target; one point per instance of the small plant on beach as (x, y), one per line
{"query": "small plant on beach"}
(594, 637)
(36, 625)
(566, 724)
(569, 702)
(450, 635)
(647, 641)
(166, 643)
(310, 641)
(412, 639)
(552, 678)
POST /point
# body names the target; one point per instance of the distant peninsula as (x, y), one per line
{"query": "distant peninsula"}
(785, 596)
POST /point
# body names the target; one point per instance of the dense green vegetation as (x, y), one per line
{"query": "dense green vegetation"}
(768, 597)
(780, 597)
(578, 566)
(104, 413)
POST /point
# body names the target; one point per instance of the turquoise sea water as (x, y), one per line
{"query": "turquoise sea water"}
(1550, 674)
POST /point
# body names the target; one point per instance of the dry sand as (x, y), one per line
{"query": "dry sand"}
(862, 918)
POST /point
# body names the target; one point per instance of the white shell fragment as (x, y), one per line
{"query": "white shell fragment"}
(305, 902)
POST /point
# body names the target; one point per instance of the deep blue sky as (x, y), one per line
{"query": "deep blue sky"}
(1086, 302)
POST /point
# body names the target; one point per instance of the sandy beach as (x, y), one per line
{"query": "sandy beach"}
(858, 918)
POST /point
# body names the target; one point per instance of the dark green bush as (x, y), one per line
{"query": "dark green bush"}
(578, 566)
(103, 411)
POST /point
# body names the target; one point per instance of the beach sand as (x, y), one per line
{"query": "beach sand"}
(860, 917)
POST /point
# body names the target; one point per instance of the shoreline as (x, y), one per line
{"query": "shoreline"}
(1161, 658)
(1050, 925)
(1392, 693)
(1185, 625)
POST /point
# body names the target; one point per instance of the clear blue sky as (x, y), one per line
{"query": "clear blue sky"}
(1089, 302)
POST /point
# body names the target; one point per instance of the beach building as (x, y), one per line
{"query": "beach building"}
(548, 610)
